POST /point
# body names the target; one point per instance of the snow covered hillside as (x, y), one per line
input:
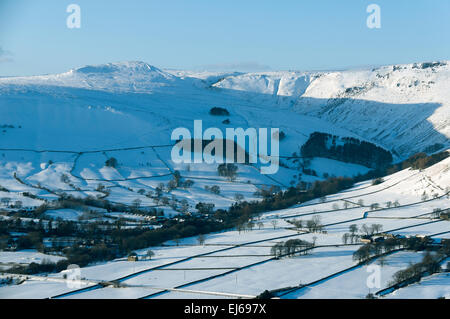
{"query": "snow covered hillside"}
(126, 76)
(71, 123)
(406, 108)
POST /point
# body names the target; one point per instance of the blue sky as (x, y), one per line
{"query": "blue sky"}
(199, 34)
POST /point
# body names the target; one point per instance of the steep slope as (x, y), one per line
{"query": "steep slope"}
(68, 125)
(405, 108)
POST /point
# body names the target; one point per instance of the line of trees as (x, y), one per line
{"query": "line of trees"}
(373, 249)
(429, 264)
(291, 248)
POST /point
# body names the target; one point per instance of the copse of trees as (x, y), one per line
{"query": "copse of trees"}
(368, 251)
(291, 248)
(422, 160)
(412, 162)
(314, 225)
(111, 162)
(205, 208)
(213, 189)
(416, 161)
(367, 231)
(228, 170)
(444, 214)
(219, 111)
(377, 181)
(346, 149)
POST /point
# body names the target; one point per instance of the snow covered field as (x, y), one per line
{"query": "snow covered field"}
(353, 284)
(241, 263)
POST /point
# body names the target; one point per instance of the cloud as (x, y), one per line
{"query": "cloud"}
(5, 56)
(239, 66)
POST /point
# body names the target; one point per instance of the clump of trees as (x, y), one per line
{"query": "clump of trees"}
(314, 225)
(353, 237)
(418, 161)
(368, 251)
(346, 149)
(177, 181)
(422, 160)
(228, 170)
(444, 214)
(373, 249)
(205, 208)
(111, 162)
(219, 111)
(377, 181)
(291, 248)
(213, 189)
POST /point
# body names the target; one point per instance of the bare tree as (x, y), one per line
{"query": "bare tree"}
(177, 240)
(274, 223)
(353, 228)
(150, 254)
(201, 239)
(345, 238)
(424, 196)
(365, 229)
